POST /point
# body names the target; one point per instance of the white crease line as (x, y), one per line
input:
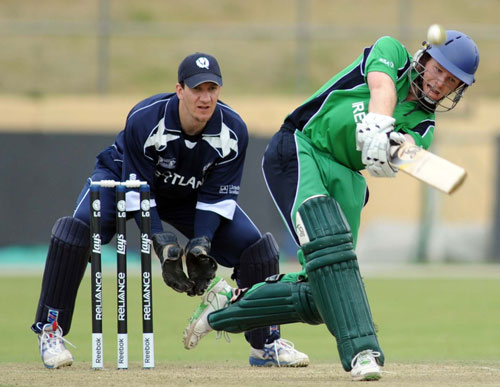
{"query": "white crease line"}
(490, 369)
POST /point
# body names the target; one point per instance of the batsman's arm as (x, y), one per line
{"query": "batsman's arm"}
(382, 93)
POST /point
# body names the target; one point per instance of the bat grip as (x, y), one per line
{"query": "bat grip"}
(393, 150)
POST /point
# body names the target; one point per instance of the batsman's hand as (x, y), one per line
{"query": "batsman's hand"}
(376, 154)
(201, 267)
(372, 124)
(170, 254)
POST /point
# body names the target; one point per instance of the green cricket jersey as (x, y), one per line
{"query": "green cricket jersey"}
(330, 115)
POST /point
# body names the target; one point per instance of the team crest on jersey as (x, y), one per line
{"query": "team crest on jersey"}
(166, 163)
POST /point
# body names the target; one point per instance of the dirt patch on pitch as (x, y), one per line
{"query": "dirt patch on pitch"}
(236, 374)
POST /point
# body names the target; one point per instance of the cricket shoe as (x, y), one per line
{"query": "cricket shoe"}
(216, 297)
(279, 353)
(365, 366)
(52, 349)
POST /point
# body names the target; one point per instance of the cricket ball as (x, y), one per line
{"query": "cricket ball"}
(436, 35)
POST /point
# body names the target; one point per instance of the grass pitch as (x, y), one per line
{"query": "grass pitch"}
(234, 373)
(443, 331)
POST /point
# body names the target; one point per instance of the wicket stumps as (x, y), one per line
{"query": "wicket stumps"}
(121, 269)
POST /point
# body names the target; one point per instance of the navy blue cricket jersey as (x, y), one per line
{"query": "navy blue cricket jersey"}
(203, 170)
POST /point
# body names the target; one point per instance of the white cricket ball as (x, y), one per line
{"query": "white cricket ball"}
(436, 34)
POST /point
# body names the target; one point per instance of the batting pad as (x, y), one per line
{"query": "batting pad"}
(333, 272)
(259, 261)
(265, 304)
(67, 259)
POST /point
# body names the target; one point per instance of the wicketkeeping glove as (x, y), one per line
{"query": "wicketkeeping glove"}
(201, 267)
(170, 254)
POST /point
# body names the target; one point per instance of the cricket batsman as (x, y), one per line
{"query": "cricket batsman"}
(312, 169)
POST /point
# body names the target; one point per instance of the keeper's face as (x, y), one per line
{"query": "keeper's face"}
(437, 81)
(198, 104)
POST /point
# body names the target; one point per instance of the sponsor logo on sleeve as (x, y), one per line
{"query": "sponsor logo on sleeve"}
(387, 62)
(229, 189)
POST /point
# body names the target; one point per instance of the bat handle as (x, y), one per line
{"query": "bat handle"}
(393, 150)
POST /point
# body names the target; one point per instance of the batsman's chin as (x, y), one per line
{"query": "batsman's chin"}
(434, 95)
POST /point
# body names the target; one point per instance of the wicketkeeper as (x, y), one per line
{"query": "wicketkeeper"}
(190, 148)
(312, 168)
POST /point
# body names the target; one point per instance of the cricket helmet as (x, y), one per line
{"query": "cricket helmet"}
(459, 55)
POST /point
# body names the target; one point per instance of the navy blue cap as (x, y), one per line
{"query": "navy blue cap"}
(198, 68)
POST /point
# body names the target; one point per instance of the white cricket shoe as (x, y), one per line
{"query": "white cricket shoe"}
(216, 297)
(52, 349)
(365, 366)
(279, 353)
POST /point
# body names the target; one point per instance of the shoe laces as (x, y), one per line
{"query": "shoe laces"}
(52, 336)
(212, 297)
(227, 292)
(223, 334)
(280, 344)
(364, 354)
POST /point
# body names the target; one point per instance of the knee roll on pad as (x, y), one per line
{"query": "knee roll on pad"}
(334, 277)
(258, 262)
(268, 303)
(65, 266)
(72, 231)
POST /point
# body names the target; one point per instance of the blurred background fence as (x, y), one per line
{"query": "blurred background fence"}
(272, 46)
(71, 70)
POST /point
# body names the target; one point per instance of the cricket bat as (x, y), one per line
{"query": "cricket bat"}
(427, 167)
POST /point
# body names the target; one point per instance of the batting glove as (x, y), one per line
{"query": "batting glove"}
(372, 124)
(376, 154)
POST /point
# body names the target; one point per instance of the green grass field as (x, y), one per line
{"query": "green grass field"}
(420, 320)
